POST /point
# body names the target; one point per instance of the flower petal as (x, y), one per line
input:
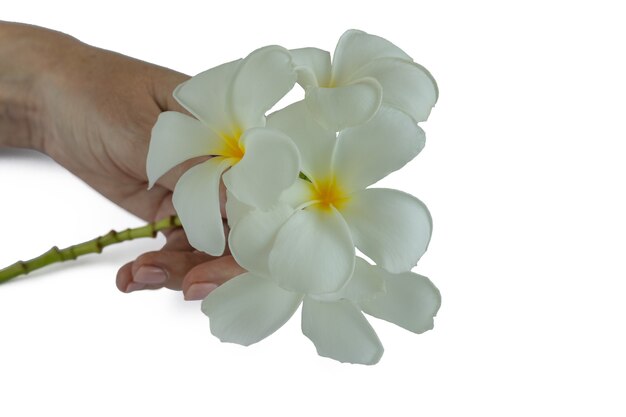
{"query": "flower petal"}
(176, 138)
(299, 194)
(312, 65)
(313, 252)
(410, 301)
(197, 202)
(366, 282)
(235, 209)
(270, 165)
(344, 106)
(313, 141)
(406, 85)
(251, 240)
(204, 96)
(391, 227)
(248, 308)
(356, 48)
(263, 78)
(340, 331)
(369, 152)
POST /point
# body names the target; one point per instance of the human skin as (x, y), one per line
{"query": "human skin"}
(92, 111)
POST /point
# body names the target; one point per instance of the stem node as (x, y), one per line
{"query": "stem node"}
(96, 245)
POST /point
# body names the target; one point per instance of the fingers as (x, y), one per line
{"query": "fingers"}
(178, 266)
(204, 278)
(197, 274)
(164, 268)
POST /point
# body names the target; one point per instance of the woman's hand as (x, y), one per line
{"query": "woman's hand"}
(92, 111)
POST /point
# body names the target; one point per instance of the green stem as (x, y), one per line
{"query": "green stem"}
(96, 245)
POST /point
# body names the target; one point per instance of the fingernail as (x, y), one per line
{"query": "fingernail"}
(134, 286)
(150, 275)
(199, 291)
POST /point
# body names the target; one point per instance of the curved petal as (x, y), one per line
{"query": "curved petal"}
(299, 194)
(197, 201)
(313, 141)
(176, 138)
(356, 48)
(312, 66)
(270, 165)
(263, 78)
(313, 252)
(340, 331)
(411, 301)
(204, 96)
(367, 153)
(235, 209)
(248, 308)
(406, 85)
(367, 282)
(344, 106)
(251, 240)
(391, 227)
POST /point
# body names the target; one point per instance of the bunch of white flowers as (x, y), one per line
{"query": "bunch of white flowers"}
(298, 202)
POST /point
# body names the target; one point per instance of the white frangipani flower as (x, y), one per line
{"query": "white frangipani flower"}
(314, 250)
(299, 251)
(250, 307)
(340, 331)
(366, 70)
(229, 103)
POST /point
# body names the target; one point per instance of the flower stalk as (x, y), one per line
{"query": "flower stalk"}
(55, 255)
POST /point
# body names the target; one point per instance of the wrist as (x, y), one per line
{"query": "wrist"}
(16, 114)
(28, 54)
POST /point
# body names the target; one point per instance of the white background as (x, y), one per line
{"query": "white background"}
(523, 172)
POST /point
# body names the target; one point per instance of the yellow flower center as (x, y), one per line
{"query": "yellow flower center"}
(329, 194)
(232, 146)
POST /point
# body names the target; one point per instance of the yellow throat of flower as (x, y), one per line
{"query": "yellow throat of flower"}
(232, 146)
(329, 194)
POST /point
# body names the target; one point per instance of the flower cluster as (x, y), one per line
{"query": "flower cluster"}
(298, 202)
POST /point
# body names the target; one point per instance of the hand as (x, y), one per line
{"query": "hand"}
(92, 111)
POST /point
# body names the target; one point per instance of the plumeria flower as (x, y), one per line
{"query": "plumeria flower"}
(302, 251)
(252, 306)
(314, 250)
(366, 70)
(228, 103)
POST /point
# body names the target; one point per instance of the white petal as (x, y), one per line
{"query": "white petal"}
(263, 78)
(313, 252)
(235, 209)
(248, 308)
(344, 106)
(312, 66)
(299, 194)
(391, 227)
(369, 152)
(175, 139)
(411, 301)
(356, 48)
(251, 240)
(197, 201)
(340, 331)
(270, 165)
(313, 141)
(204, 96)
(406, 85)
(366, 282)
